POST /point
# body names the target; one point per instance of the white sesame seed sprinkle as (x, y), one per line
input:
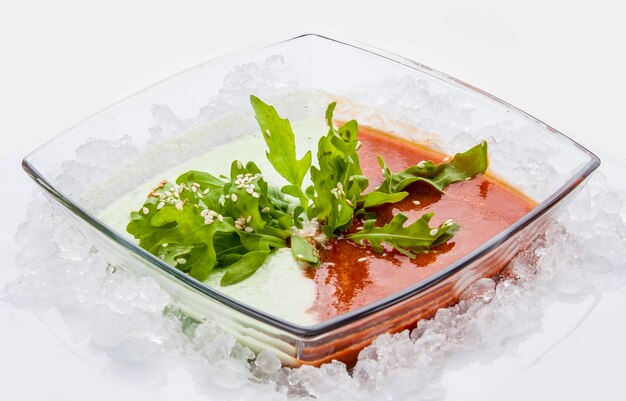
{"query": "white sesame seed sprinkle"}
(268, 133)
(266, 209)
(417, 203)
(445, 159)
(421, 164)
(204, 213)
(179, 205)
(255, 194)
(181, 261)
(160, 205)
(239, 165)
(234, 197)
(248, 229)
(145, 210)
(361, 259)
(434, 232)
(248, 219)
(206, 191)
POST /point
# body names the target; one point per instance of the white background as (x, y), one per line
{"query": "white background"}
(65, 60)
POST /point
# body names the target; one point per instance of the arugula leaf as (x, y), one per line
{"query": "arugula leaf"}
(376, 198)
(338, 181)
(186, 237)
(281, 142)
(410, 240)
(302, 249)
(244, 268)
(463, 166)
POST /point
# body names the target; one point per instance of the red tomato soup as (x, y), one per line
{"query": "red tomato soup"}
(351, 276)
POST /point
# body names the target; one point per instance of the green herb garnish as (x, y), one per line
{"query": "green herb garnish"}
(203, 222)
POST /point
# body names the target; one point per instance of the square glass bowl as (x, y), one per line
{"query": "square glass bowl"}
(97, 161)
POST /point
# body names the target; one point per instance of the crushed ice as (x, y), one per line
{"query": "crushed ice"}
(132, 320)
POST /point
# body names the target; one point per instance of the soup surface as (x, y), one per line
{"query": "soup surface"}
(351, 276)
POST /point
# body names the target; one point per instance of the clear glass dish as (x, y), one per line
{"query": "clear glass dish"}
(98, 160)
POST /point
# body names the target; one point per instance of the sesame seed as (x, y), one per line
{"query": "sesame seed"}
(204, 212)
(248, 229)
(268, 133)
(227, 196)
(300, 256)
(358, 145)
(248, 219)
(206, 191)
(145, 210)
(434, 232)
(161, 196)
(359, 228)
(239, 165)
(164, 245)
(172, 189)
(220, 217)
(349, 202)
(176, 195)
(194, 189)
(417, 203)
(179, 206)
(255, 195)
(160, 205)
(239, 176)
(445, 159)
(181, 261)
(340, 186)
(195, 184)
(234, 197)
(249, 190)
(208, 220)
(266, 209)
(382, 171)
(361, 259)
(448, 222)
(421, 164)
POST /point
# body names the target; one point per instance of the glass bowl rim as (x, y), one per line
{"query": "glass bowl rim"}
(347, 318)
